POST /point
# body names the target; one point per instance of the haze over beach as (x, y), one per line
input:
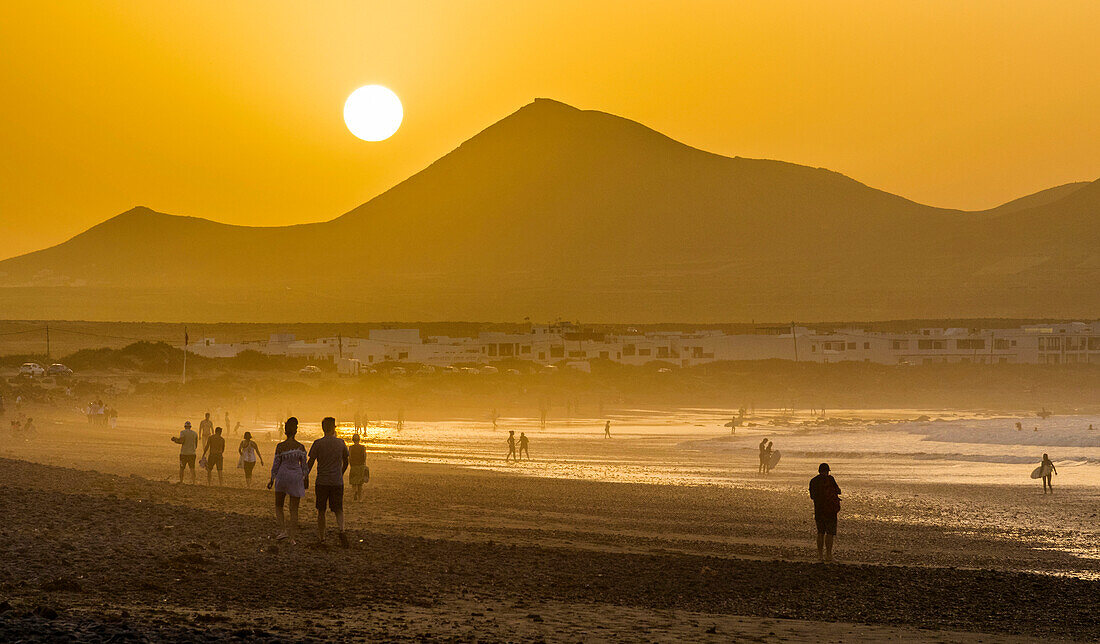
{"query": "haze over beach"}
(592, 321)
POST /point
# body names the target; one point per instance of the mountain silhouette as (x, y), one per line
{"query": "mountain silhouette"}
(554, 211)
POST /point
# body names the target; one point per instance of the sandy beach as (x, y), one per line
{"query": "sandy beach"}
(452, 543)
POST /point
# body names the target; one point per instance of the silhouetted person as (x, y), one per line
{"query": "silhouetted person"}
(228, 426)
(763, 455)
(188, 441)
(733, 426)
(249, 453)
(358, 474)
(1048, 472)
(523, 446)
(206, 429)
(28, 427)
(330, 454)
(511, 447)
(607, 429)
(1019, 426)
(495, 416)
(288, 475)
(768, 458)
(826, 496)
(213, 452)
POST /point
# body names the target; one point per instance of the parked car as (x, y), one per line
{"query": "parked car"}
(58, 369)
(310, 370)
(32, 370)
(489, 369)
(470, 370)
(425, 370)
(398, 371)
(450, 369)
(512, 372)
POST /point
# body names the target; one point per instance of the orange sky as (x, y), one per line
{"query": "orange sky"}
(233, 110)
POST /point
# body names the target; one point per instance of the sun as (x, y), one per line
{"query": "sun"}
(373, 113)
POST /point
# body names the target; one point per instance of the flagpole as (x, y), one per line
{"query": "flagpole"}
(185, 355)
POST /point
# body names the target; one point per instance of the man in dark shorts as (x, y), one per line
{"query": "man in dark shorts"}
(826, 496)
(215, 448)
(330, 453)
(188, 441)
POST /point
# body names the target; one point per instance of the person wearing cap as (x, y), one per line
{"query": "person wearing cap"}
(249, 451)
(188, 441)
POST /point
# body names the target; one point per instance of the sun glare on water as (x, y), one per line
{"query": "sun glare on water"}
(373, 113)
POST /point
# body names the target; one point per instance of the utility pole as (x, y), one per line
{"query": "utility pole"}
(47, 343)
(794, 338)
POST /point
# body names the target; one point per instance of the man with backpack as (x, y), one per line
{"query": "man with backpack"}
(826, 496)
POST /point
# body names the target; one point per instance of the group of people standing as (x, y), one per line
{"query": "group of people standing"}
(290, 469)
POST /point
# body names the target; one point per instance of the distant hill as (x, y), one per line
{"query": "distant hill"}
(555, 211)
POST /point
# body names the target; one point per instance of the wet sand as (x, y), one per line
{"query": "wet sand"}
(444, 551)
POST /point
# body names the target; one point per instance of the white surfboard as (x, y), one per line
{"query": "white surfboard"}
(1038, 472)
(774, 460)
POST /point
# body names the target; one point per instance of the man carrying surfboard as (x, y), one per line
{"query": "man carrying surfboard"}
(826, 496)
(1046, 471)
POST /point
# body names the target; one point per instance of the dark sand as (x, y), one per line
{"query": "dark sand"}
(444, 552)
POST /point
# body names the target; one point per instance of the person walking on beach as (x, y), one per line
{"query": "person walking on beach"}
(206, 429)
(330, 454)
(288, 476)
(188, 441)
(607, 429)
(1048, 472)
(213, 453)
(358, 474)
(523, 446)
(826, 497)
(249, 452)
(763, 455)
(768, 458)
(228, 426)
(511, 446)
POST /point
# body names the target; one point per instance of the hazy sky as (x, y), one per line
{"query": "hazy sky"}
(233, 110)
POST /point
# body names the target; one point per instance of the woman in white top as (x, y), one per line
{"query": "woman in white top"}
(249, 451)
(288, 476)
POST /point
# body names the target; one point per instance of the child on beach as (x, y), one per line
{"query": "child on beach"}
(358, 474)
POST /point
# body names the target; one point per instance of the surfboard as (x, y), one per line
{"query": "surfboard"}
(774, 459)
(731, 424)
(1038, 472)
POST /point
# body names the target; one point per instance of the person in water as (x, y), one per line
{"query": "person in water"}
(826, 497)
(1047, 472)
(288, 476)
(249, 452)
(188, 441)
(358, 474)
(511, 447)
(523, 446)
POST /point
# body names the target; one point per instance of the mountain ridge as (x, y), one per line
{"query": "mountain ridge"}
(558, 210)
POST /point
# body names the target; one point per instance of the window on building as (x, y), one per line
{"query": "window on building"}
(900, 345)
(1001, 344)
(557, 352)
(866, 345)
(970, 344)
(645, 352)
(851, 346)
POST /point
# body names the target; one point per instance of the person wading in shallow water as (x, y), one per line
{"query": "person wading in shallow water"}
(330, 454)
(288, 476)
(523, 443)
(511, 447)
(826, 496)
